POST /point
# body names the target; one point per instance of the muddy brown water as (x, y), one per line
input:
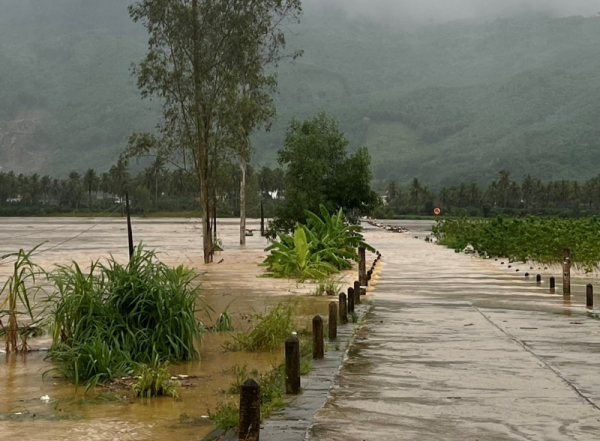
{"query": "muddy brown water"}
(233, 283)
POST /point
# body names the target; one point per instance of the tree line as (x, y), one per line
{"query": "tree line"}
(157, 188)
(502, 196)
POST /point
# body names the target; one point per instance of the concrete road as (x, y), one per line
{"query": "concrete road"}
(459, 348)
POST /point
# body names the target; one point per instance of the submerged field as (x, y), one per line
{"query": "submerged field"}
(103, 414)
(526, 239)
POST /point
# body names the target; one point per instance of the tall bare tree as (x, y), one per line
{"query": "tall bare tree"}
(206, 62)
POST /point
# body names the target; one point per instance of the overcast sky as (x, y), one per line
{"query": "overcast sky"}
(423, 11)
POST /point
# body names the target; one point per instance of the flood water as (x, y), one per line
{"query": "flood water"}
(463, 348)
(101, 415)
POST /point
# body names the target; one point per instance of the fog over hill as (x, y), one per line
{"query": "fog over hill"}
(444, 90)
(410, 12)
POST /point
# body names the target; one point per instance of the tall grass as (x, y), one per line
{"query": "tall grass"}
(17, 290)
(112, 317)
(269, 331)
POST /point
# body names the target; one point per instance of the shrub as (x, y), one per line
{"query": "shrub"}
(113, 317)
(322, 247)
(155, 382)
(268, 333)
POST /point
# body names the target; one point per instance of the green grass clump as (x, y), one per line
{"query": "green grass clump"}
(269, 331)
(227, 415)
(329, 287)
(224, 323)
(113, 317)
(155, 382)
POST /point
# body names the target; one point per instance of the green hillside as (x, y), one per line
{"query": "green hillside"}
(446, 103)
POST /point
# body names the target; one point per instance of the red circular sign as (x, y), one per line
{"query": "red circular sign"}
(437, 211)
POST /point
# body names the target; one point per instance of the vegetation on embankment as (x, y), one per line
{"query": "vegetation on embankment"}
(323, 246)
(526, 239)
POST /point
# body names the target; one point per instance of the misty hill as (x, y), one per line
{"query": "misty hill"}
(444, 102)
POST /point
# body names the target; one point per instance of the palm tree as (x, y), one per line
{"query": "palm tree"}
(152, 175)
(46, 186)
(392, 192)
(90, 180)
(120, 179)
(74, 189)
(415, 193)
(503, 187)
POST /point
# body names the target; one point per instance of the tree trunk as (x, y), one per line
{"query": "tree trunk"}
(243, 198)
(214, 208)
(207, 243)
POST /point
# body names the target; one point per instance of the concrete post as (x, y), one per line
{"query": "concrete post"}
(357, 293)
(318, 343)
(292, 366)
(333, 313)
(350, 300)
(362, 266)
(250, 411)
(343, 309)
(566, 272)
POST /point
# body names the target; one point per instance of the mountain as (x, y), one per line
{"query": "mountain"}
(450, 102)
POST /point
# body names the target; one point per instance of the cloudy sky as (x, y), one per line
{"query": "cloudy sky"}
(448, 10)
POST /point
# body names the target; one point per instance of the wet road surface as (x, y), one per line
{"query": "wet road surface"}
(459, 348)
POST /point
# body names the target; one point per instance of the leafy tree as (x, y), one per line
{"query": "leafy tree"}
(319, 171)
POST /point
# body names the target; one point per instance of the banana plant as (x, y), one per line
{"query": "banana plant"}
(322, 247)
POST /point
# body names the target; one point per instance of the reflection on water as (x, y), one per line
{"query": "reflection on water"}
(567, 302)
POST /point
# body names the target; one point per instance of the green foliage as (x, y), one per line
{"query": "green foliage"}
(155, 382)
(268, 332)
(16, 290)
(114, 316)
(531, 238)
(292, 257)
(319, 172)
(329, 287)
(224, 322)
(325, 245)
(305, 366)
(227, 415)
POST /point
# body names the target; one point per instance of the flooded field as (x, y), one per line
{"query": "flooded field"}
(233, 283)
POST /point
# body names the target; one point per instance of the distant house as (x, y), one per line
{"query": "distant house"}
(14, 200)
